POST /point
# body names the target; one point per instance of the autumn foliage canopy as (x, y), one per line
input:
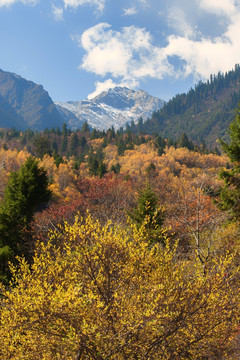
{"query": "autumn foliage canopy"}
(97, 292)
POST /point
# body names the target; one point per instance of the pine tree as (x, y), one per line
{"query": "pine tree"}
(42, 146)
(93, 163)
(94, 134)
(102, 169)
(184, 142)
(64, 144)
(140, 125)
(160, 143)
(151, 170)
(58, 159)
(85, 127)
(229, 198)
(74, 144)
(148, 215)
(116, 168)
(121, 147)
(25, 193)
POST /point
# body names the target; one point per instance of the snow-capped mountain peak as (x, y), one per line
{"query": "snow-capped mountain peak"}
(114, 107)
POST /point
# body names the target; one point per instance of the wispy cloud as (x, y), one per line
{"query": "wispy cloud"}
(144, 2)
(11, 2)
(177, 20)
(130, 11)
(57, 13)
(98, 4)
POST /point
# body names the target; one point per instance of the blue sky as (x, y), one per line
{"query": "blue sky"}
(78, 48)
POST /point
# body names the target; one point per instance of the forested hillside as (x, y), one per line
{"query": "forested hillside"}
(80, 145)
(204, 113)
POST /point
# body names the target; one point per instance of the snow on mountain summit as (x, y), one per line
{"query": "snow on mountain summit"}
(114, 107)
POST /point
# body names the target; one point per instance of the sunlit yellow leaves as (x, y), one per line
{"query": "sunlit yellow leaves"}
(173, 161)
(97, 292)
(49, 165)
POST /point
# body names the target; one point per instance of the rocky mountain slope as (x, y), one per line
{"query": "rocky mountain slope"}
(114, 107)
(24, 104)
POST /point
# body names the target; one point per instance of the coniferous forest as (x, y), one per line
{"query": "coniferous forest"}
(204, 113)
(119, 245)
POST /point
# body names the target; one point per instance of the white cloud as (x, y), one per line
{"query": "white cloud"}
(220, 7)
(139, 5)
(11, 2)
(178, 21)
(130, 11)
(210, 55)
(103, 86)
(106, 53)
(57, 13)
(130, 56)
(127, 56)
(99, 4)
(202, 57)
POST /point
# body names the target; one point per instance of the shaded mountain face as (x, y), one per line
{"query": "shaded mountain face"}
(24, 104)
(8, 116)
(114, 107)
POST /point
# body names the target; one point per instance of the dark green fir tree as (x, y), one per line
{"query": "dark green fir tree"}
(149, 215)
(26, 192)
(229, 198)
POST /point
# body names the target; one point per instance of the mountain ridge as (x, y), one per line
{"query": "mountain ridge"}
(204, 113)
(28, 102)
(114, 107)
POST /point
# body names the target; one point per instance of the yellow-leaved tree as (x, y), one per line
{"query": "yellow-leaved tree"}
(102, 293)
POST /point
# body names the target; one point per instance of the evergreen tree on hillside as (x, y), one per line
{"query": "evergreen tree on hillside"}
(64, 144)
(74, 144)
(116, 168)
(85, 128)
(230, 192)
(102, 169)
(160, 144)
(149, 215)
(42, 146)
(121, 147)
(185, 142)
(25, 193)
(151, 170)
(93, 163)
